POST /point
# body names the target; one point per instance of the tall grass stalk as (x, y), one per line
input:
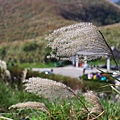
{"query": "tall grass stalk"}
(115, 89)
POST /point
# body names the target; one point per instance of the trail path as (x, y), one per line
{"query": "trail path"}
(67, 71)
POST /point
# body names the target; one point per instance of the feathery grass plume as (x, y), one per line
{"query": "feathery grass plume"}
(81, 37)
(94, 104)
(5, 118)
(47, 88)
(115, 89)
(50, 89)
(30, 105)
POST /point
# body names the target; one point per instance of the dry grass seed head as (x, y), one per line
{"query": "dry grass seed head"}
(30, 105)
(94, 103)
(84, 37)
(47, 88)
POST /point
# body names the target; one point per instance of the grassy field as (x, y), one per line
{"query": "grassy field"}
(67, 109)
(112, 34)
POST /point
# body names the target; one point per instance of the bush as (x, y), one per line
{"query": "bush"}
(30, 47)
(71, 82)
(97, 85)
(9, 96)
(16, 76)
(31, 73)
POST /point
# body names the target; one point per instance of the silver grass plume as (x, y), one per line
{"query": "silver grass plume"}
(30, 105)
(55, 90)
(47, 88)
(50, 89)
(4, 118)
(94, 105)
(85, 37)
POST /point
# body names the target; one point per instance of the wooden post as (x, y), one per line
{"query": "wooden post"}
(108, 63)
(77, 61)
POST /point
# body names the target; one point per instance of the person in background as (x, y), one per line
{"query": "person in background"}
(98, 75)
(85, 66)
(90, 76)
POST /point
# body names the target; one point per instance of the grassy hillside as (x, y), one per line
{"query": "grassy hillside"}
(33, 50)
(99, 12)
(24, 24)
(22, 20)
(112, 34)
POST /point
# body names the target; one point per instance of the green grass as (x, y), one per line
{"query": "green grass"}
(68, 109)
(111, 109)
(9, 96)
(36, 65)
(112, 34)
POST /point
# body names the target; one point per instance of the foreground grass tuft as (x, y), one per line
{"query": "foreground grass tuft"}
(60, 110)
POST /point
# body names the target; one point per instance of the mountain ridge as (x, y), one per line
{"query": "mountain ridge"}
(23, 20)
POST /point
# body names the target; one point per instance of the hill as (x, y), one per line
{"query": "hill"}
(33, 50)
(99, 12)
(24, 23)
(26, 19)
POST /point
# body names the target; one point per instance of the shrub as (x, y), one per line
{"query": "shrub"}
(9, 96)
(71, 82)
(30, 47)
(31, 73)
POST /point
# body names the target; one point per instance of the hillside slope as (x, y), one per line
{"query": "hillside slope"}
(99, 12)
(33, 50)
(26, 19)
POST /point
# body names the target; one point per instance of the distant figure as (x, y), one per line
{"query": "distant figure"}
(83, 71)
(95, 77)
(85, 65)
(90, 76)
(98, 75)
(103, 78)
(52, 70)
(80, 64)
